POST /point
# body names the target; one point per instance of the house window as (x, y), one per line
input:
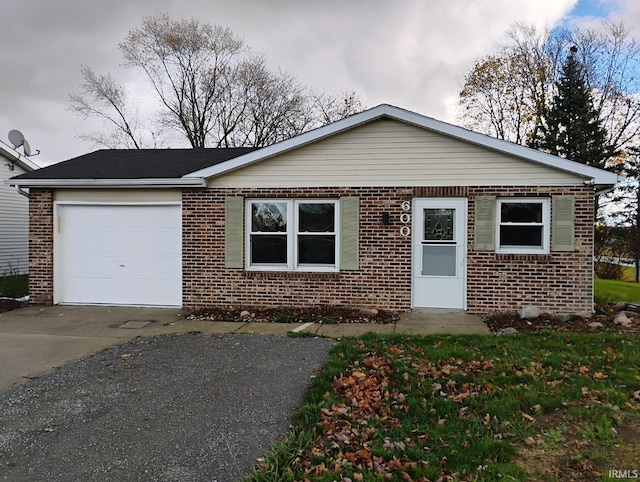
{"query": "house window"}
(523, 225)
(292, 235)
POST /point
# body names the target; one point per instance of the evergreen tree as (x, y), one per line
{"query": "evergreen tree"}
(571, 127)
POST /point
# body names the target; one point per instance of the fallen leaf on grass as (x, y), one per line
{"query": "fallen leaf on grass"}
(528, 417)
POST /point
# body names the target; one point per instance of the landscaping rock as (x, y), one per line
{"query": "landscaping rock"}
(245, 315)
(622, 319)
(508, 331)
(369, 311)
(529, 313)
(585, 315)
(561, 317)
(602, 320)
(620, 306)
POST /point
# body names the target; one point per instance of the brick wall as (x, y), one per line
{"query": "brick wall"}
(553, 282)
(41, 246)
(383, 280)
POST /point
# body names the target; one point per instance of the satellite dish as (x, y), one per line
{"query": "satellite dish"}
(26, 147)
(16, 138)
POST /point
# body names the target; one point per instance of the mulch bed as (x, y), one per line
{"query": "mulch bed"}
(9, 304)
(317, 314)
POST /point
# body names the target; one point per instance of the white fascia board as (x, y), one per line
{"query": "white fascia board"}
(14, 156)
(107, 183)
(599, 176)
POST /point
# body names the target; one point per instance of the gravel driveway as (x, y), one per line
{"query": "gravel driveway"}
(165, 408)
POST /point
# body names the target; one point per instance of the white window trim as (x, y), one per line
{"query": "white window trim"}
(292, 233)
(546, 227)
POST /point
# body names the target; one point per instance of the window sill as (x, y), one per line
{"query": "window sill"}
(522, 251)
(292, 274)
(523, 256)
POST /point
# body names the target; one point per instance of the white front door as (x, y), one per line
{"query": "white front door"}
(439, 252)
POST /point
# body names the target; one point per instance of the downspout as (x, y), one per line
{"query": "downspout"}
(23, 192)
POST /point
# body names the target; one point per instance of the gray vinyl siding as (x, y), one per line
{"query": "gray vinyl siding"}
(14, 224)
(391, 153)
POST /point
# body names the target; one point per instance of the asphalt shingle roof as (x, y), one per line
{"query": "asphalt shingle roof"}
(137, 163)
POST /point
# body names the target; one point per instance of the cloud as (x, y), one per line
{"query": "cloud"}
(410, 53)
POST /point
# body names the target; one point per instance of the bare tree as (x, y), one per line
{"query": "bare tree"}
(506, 92)
(188, 66)
(211, 89)
(612, 58)
(270, 107)
(103, 98)
(330, 109)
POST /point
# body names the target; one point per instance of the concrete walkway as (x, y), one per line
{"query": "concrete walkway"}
(36, 340)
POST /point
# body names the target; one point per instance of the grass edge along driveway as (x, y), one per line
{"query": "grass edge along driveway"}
(542, 406)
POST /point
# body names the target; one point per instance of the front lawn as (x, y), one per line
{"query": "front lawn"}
(545, 406)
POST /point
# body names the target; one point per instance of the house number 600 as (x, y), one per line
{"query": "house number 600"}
(406, 206)
(405, 218)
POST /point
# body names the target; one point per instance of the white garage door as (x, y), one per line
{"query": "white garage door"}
(118, 254)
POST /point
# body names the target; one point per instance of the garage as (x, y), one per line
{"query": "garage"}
(118, 253)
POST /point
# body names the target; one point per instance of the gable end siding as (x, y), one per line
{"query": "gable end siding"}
(391, 153)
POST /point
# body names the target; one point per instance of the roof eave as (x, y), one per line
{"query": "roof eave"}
(15, 157)
(108, 183)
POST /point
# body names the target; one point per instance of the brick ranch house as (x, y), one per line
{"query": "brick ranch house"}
(385, 209)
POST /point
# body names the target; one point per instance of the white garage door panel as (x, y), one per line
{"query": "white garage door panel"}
(120, 254)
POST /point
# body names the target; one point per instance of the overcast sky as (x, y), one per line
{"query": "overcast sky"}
(409, 53)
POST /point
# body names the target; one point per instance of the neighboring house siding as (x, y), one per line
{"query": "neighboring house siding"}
(41, 224)
(14, 224)
(391, 153)
(558, 281)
